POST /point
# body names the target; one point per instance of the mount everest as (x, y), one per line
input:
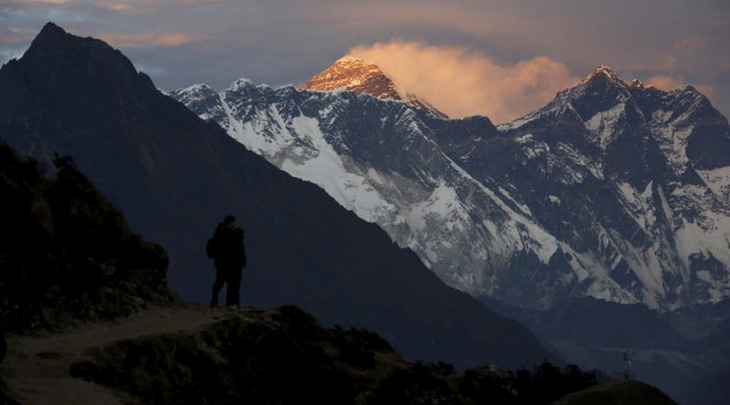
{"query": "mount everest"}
(614, 190)
(363, 77)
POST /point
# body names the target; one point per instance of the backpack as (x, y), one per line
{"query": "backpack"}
(211, 248)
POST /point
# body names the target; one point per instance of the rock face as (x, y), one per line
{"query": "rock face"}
(175, 176)
(613, 190)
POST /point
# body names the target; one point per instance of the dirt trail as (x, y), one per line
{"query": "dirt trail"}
(36, 368)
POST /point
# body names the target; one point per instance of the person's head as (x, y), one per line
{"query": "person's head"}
(229, 221)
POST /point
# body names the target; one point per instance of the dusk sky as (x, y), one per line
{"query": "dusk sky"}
(501, 59)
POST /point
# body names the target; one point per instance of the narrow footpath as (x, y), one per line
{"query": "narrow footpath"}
(36, 368)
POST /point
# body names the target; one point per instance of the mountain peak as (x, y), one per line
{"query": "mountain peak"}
(601, 84)
(49, 37)
(361, 76)
(353, 59)
(604, 72)
(54, 43)
(356, 75)
(638, 84)
(51, 29)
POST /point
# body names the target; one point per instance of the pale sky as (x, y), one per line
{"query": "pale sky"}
(501, 59)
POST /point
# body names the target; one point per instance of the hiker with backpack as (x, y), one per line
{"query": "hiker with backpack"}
(227, 250)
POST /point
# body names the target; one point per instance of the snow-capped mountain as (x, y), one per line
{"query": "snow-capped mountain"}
(613, 190)
(360, 76)
(356, 75)
(636, 179)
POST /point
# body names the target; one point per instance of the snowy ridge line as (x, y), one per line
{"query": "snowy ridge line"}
(631, 238)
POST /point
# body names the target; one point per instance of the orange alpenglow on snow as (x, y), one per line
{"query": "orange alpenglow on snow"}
(362, 77)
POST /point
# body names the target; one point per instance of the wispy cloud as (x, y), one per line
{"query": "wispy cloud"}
(43, 1)
(664, 82)
(149, 39)
(708, 90)
(462, 83)
(16, 36)
(116, 6)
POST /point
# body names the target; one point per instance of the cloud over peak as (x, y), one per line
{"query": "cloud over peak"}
(461, 82)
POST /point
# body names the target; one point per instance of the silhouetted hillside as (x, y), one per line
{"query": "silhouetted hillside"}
(285, 356)
(618, 392)
(66, 254)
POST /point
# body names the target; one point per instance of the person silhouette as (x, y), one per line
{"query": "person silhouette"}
(229, 256)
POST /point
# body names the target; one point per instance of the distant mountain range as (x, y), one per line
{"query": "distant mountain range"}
(174, 176)
(614, 190)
